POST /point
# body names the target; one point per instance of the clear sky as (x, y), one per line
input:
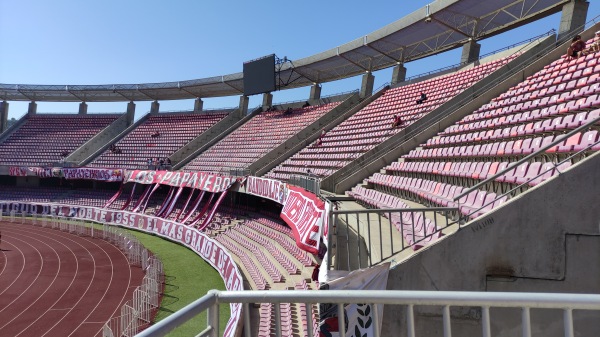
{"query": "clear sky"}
(146, 41)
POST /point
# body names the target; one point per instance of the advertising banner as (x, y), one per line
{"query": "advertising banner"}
(304, 212)
(211, 251)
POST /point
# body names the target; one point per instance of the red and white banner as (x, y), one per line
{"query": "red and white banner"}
(304, 212)
(211, 251)
(46, 172)
(267, 188)
(17, 171)
(68, 173)
(360, 319)
(93, 174)
(206, 181)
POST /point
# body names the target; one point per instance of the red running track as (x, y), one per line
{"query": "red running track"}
(53, 283)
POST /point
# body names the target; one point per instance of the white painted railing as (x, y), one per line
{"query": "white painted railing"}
(446, 300)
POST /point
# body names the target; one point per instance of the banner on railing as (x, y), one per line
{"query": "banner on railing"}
(17, 171)
(46, 172)
(267, 188)
(206, 181)
(359, 318)
(304, 212)
(207, 248)
(93, 174)
(85, 173)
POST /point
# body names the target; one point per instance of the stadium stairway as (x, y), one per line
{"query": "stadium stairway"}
(203, 142)
(101, 141)
(264, 165)
(307, 135)
(210, 136)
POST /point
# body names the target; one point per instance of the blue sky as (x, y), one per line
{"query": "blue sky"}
(110, 42)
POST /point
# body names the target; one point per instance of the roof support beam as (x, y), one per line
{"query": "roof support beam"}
(185, 90)
(450, 27)
(137, 88)
(229, 85)
(73, 93)
(349, 60)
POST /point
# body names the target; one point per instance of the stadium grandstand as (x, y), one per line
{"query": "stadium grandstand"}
(454, 202)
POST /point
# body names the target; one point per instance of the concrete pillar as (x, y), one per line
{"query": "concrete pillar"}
(3, 116)
(32, 110)
(130, 113)
(398, 74)
(154, 107)
(315, 94)
(470, 52)
(573, 17)
(366, 88)
(244, 100)
(198, 105)
(267, 100)
(82, 108)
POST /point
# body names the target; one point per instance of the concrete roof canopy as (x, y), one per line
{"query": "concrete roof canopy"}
(435, 28)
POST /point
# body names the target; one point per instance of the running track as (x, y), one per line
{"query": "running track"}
(53, 283)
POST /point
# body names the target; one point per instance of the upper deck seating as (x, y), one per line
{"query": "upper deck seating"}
(46, 139)
(158, 137)
(372, 124)
(256, 137)
(527, 117)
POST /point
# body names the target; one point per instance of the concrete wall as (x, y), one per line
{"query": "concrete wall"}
(545, 240)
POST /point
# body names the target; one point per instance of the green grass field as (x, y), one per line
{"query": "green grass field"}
(187, 278)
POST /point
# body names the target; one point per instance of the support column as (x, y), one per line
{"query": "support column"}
(3, 116)
(572, 20)
(315, 94)
(470, 52)
(366, 88)
(130, 113)
(243, 108)
(32, 110)
(154, 107)
(267, 100)
(83, 108)
(398, 74)
(198, 105)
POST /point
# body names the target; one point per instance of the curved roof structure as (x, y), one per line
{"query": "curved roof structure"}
(437, 27)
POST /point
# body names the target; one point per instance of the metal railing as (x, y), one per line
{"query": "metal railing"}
(434, 300)
(309, 183)
(375, 235)
(516, 164)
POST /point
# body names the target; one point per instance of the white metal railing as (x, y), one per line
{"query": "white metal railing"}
(408, 299)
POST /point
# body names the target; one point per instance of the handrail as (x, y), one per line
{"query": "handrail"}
(388, 210)
(526, 158)
(484, 300)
